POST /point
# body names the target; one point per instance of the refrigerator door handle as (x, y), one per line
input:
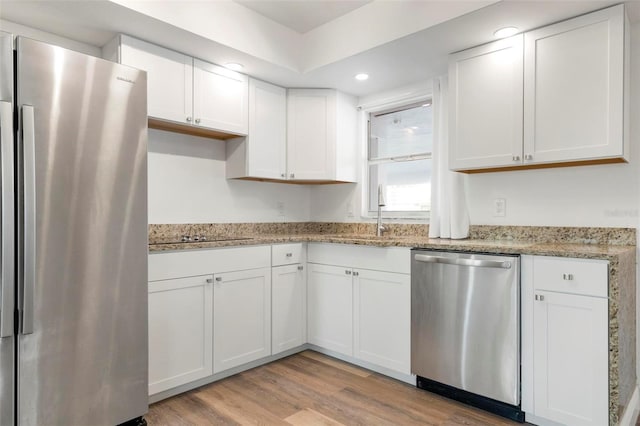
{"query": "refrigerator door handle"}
(8, 220)
(29, 228)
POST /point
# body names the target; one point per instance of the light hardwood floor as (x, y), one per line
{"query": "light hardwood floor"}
(312, 389)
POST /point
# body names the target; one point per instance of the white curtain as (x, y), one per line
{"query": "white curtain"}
(449, 214)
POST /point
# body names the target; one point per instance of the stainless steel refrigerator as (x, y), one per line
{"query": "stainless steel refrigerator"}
(73, 296)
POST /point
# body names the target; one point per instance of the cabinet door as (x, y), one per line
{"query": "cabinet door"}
(330, 308)
(574, 89)
(485, 106)
(169, 78)
(382, 319)
(311, 134)
(220, 98)
(180, 332)
(267, 140)
(288, 308)
(241, 317)
(571, 358)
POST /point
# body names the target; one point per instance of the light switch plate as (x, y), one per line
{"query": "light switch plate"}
(499, 207)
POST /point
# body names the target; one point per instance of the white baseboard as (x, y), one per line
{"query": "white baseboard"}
(631, 412)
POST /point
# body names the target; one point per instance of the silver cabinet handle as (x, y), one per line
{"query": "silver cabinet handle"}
(516, 158)
(29, 226)
(8, 220)
(188, 119)
(197, 121)
(567, 277)
(356, 274)
(539, 297)
(300, 267)
(348, 272)
(463, 262)
(528, 157)
(209, 281)
(292, 175)
(218, 279)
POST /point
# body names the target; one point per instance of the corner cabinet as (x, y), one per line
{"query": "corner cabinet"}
(554, 96)
(321, 135)
(565, 340)
(186, 94)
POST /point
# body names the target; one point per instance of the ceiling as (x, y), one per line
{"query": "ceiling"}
(398, 43)
(302, 16)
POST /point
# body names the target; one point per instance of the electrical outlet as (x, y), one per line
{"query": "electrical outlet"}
(499, 207)
(350, 209)
(280, 208)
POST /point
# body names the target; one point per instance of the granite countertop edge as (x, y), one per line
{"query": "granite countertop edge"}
(587, 251)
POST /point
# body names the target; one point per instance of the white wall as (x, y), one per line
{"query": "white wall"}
(187, 185)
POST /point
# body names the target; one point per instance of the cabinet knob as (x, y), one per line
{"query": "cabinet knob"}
(539, 297)
(355, 274)
(218, 279)
(189, 119)
(516, 158)
(528, 157)
(348, 272)
(567, 277)
(283, 175)
(292, 175)
(289, 254)
(209, 280)
(197, 121)
(300, 267)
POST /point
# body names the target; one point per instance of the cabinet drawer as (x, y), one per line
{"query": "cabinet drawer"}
(575, 276)
(286, 254)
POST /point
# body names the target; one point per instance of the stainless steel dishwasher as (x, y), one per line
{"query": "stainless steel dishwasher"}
(465, 328)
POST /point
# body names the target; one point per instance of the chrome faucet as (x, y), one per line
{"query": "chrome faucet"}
(381, 203)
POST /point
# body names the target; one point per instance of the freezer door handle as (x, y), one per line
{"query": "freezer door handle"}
(29, 217)
(463, 262)
(8, 221)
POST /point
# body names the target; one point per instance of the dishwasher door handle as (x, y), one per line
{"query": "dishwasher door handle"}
(463, 262)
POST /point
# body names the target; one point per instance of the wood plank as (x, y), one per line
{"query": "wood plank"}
(310, 417)
(358, 371)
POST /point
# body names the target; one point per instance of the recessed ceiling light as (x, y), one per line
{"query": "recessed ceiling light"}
(505, 32)
(234, 66)
(362, 76)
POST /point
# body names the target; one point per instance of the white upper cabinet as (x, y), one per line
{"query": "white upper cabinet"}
(263, 153)
(186, 94)
(574, 84)
(551, 97)
(486, 105)
(321, 135)
(220, 98)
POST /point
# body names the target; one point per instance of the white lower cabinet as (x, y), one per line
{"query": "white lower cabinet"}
(180, 331)
(288, 307)
(357, 310)
(241, 317)
(330, 308)
(382, 319)
(565, 340)
(571, 365)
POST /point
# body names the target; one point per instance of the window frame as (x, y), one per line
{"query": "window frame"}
(390, 106)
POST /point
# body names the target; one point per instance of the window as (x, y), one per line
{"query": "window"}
(399, 159)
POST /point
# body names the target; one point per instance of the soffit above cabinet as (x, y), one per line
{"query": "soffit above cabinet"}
(413, 45)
